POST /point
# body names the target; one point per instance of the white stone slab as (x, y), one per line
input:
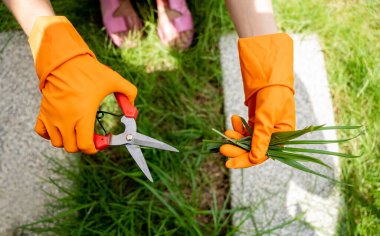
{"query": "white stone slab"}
(275, 193)
(23, 161)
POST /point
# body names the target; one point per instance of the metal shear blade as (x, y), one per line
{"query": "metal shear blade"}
(130, 138)
(143, 140)
(133, 140)
(137, 138)
(137, 155)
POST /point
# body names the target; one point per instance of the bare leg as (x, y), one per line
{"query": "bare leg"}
(252, 17)
(26, 11)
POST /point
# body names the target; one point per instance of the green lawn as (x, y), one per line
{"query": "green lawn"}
(180, 99)
(350, 33)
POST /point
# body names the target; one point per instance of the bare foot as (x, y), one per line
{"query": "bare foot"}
(133, 21)
(169, 34)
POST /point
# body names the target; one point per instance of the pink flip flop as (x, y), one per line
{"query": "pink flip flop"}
(181, 23)
(113, 24)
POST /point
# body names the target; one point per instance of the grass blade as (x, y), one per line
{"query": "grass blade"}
(297, 157)
(317, 151)
(295, 142)
(248, 138)
(233, 140)
(213, 145)
(299, 166)
(247, 127)
(280, 137)
(342, 127)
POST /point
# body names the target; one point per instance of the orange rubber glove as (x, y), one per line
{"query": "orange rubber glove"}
(73, 83)
(267, 70)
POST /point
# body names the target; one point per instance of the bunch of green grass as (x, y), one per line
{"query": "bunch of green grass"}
(279, 150)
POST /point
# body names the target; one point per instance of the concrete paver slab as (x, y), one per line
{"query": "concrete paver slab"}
(275, 193)
(23, 162)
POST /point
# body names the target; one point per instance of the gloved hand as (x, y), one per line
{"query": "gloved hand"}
(267, 69)
(73, 83)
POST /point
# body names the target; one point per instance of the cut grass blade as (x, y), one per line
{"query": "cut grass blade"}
(301, 167)
(281, 137)
(342, 127)
(232, 140)
(246, 126)
(297, 142)
(297, 157)
(213, 145)
(317, 151)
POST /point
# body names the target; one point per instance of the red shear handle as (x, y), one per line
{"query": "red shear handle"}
(126, 107)
(102, 142)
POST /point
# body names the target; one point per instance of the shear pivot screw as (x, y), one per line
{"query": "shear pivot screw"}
(129, 137)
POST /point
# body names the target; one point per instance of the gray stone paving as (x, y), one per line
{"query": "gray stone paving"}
(23, 162)
(274, 193)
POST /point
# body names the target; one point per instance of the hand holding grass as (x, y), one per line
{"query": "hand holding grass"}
(271, 110)
(237, 146)
(267, 70)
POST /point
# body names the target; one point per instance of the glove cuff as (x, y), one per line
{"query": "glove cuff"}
(53, 41)
(266, 61)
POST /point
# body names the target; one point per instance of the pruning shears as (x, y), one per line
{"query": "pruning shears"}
(130, 137)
